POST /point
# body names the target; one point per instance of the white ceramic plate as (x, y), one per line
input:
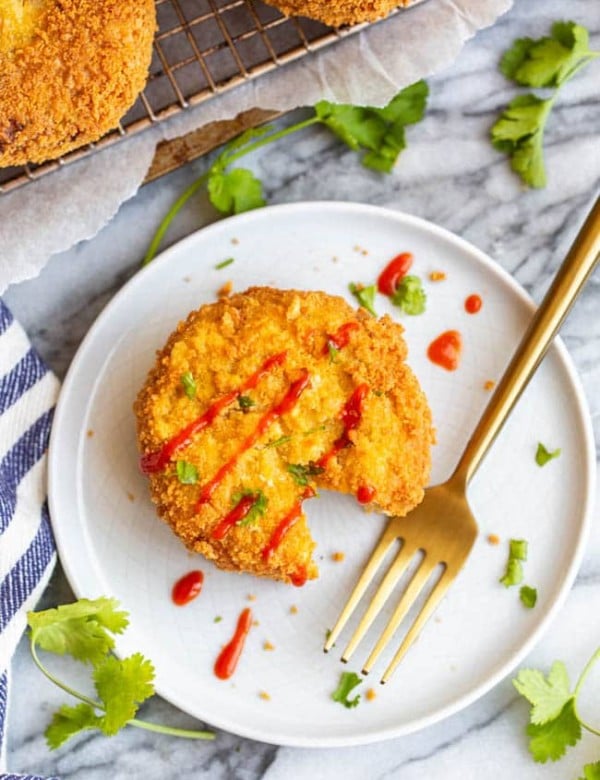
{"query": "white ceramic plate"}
(111, 542)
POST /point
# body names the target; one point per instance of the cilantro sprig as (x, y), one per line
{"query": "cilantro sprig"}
(377, 133)
(85, 630)
(547, 62)
(555, 723)
(365, 296)
(410, 295)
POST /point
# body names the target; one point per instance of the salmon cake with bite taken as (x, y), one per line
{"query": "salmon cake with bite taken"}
(259, 400)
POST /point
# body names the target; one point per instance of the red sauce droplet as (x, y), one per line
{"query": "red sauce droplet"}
(394, 272)
(187, 588)
(473, 304)
(365, 494)
(351, 416)
(238, 513)
(155, 461)
(341, 337)
(299, 577)
(230, 655)
(445, 350)
(287, 403)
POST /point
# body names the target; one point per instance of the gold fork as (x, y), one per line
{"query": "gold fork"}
(442, 527)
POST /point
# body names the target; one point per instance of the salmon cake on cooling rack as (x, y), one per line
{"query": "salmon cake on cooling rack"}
(69, 70)
(257, 401)
(339, 12)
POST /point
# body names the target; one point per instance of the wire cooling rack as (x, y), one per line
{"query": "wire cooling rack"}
(202, 48)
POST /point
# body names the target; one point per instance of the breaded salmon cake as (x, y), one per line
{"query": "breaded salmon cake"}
(258, 400)
(339, 12)
(69, 70)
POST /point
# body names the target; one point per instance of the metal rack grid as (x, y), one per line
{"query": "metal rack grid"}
(202, 48)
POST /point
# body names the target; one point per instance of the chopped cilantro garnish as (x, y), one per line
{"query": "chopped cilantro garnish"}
(544, 455)
(224, 263)
(365, 296)
(348, 681)
(189, 384)
(218, 619)
(258, 508)
(84, 631)
(301, 472)
(333, 352)
(187, 473)
(410, 295)
(528, 596)
(514, 568)
(278, 442)
(245, 402)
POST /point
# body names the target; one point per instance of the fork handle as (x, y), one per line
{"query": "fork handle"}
(568, 283)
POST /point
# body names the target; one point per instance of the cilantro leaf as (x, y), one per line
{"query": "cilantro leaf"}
(245, 402)
(333, 352)
(225, 263)
(519, 132)
(591, 771)
(379, 132)
(528, 596)
(187, 473)
(301, 472)
(235, 191)
(365, 296)
(68, 721)
(548, 695)
(122, 685)
(258, 508)
(548, 61)
(550, 740)
(514, 568)
(410, 295)
(544, 455)
(278, 442)
(189, 384)
(348, 681)
(79, 629)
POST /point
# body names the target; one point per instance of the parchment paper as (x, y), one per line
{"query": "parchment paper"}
(72, 204)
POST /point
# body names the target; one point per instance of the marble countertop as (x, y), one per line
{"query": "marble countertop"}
(449, 174)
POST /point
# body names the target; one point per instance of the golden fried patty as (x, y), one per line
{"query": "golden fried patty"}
(69, 70)
(258, 400)
(338, 12)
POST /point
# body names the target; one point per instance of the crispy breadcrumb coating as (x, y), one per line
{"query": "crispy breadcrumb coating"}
(224, 343)
(339, 12)
(69, 70)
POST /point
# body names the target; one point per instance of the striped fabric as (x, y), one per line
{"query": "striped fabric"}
(27, 555)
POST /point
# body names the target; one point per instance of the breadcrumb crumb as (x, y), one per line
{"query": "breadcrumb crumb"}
(489, 385)
(493, 539)
(130, 496)
(437, 276)
(293, 609)
(90, 433)
(338, 557)
(225, 289)
(268, 646)
(370, 695)
(264, 696)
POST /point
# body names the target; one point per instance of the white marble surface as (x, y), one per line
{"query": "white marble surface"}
(450, 175)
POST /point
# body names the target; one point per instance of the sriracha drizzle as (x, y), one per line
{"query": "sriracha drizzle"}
(155, 461)
(229, 656)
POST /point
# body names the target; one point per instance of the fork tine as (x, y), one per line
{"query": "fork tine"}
(434, 598)
(381, 596)
(407, 599)
(387, 538)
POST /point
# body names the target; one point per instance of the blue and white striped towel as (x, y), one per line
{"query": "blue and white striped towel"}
(27, 553)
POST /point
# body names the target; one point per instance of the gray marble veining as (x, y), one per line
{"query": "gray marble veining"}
(450, 175)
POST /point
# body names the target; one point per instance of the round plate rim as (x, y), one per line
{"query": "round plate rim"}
(580, 407)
